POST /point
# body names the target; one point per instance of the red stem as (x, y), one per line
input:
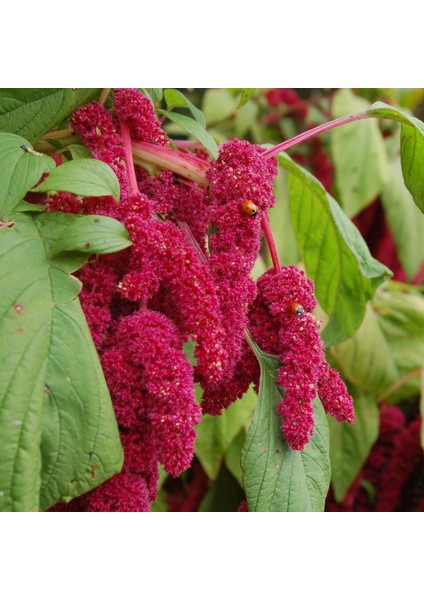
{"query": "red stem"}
(270, 241)
(306, 135)
(126, 141)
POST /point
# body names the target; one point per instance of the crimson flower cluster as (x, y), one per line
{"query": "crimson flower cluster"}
(187, 277)
(392, 478)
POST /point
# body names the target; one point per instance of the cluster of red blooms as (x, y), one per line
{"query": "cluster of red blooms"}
(392, 478)
(187, 277)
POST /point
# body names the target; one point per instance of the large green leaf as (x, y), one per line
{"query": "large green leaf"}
(92, 234)
(359, 155)
(83, 177)
(388, 346)
(405, 220)
(58, 433)
(215, 434)
(276, 478)
(334, 253)
(32, 112)
(20, 169)
(193, 128)
(350, 444)
(411, 147)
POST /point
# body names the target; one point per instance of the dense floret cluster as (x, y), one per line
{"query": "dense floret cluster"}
(187, 278)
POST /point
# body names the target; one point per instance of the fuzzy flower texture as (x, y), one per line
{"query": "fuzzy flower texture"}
(187, 278)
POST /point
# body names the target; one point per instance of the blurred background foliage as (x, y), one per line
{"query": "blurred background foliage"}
(376, 463)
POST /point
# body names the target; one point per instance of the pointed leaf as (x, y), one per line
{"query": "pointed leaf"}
(20, 169)
(335, 255)
(350, 445)
(31, 112)
(78, 151)
(175, 98)
(411, 147)
(276, 478)
(193, 128)
(388, 346)
(359, 155)
(215, 434)
(155, 94)
(58, 434)
(246, 94)
(92, 234)
(83, 177)
(405, 220)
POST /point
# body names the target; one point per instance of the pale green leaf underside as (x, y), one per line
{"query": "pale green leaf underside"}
(20, 169)
(83, 177)
(92, 234)
(350, 444)
(193, 128)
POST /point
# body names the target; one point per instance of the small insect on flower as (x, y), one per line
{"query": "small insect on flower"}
(296, 309)
(248, 208)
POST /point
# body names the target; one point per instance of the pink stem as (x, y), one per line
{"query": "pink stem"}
(306, 135)
(184, 164)
(270, 241)
(126, 141)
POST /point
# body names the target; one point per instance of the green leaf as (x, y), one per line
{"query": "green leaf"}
(224, 495)
(155, 94)
(174, 99)
(58, 434)
(218, 105)
(20, 169)
(350, 445)
(388, 346)
(405, 220)
(78, 151)
(335, 255)
(32, 112)
(276, 478)
(359, 155)
(246, 94)
(92, 234)
(411, 147)
(193, 128)
(215, 434)
(233, 456)
(83, 177)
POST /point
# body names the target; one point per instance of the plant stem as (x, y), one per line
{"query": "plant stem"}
(103, 96)
(270, 241)
(181, 163)
(126, 141)
(398, 384)
(306, 135)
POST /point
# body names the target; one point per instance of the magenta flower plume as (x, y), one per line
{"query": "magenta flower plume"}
(334, 395)
(281, 322)
(99, 131)
(240, 175)
(137, 111)
(151, 381)
(125, 492)
(163, 256)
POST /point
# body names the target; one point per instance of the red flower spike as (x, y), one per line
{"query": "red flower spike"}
(138, 112)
